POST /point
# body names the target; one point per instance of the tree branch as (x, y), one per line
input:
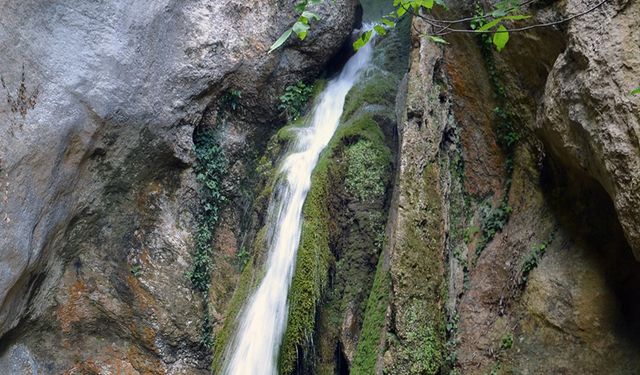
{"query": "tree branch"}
(446, 29)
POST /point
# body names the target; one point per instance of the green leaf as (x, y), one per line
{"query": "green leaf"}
(380, 30)
(300, 29)
(437, 39)
(500, 38)
(364, 39)
(636, 91)
(401, 11)
(427, 3)
(310, 15)
(490, 25)
(388, 23)
(283, 38)
(499, 13)
(442, 3)
(300, 6)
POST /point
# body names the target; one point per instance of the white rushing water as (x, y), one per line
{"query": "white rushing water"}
(255, 347)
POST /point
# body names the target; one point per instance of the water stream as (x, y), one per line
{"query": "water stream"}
(255, 347)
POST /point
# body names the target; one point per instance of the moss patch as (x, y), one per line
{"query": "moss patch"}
(374, 322)
(356, 161)
(367, 167)
(241, 294)
(379, 89)
(311, 275)
(418, 274)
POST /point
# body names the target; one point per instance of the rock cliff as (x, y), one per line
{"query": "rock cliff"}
(477, 212)
(99, 200)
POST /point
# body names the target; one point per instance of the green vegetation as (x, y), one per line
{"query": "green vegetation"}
(242, 292)
(491, 23)
(423, 349)
(136, 269)
(311, 275)
(229, 101)
(495, 369)
(369, 342)
(314, 255)
(507, 341)
(210, 169)
(636, 91)
(378, 91)
(492, 221)
(368, 168)
(532, 260)
(508, 136)
(294, 99)
(451, 346)
(243, 257)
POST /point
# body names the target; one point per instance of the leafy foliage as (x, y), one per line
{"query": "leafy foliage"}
(636, 91)
(493, 220)
(210, 168)
(243, 257)
(230, 100)
(294, 99)
(507, 342)
(302, 25)
(491, 23)
(136, 269)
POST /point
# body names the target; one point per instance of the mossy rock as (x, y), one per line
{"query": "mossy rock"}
(371, 334)
(311, 275)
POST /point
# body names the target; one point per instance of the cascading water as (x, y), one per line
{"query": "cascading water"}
(256, 344)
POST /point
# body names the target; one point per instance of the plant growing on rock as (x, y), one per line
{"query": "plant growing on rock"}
(636, 91)
(531, 262)
(294, 99)
(210, 168)
(366, 171)
(494, 22)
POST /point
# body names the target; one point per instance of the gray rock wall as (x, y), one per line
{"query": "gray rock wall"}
(588, 116)
(100, 100)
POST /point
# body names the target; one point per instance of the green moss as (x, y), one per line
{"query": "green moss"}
(419, 270)
(314, 255)
(367, 170)
(287, 133)
(368, 347)
(246, 283)
(311, 273)
(380, 89)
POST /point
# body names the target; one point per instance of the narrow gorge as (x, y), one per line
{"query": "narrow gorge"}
(320, 187)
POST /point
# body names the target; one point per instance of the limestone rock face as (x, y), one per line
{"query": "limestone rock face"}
(588, 118)
(529, 250)
(100, 101)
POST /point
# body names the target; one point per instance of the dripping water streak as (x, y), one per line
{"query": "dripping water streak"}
(256, 345)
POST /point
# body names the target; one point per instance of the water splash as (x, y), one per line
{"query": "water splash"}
(255, 347)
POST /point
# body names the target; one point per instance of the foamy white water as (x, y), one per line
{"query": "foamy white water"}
(256, 345)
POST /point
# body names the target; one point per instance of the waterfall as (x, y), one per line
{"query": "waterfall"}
(255, 347)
